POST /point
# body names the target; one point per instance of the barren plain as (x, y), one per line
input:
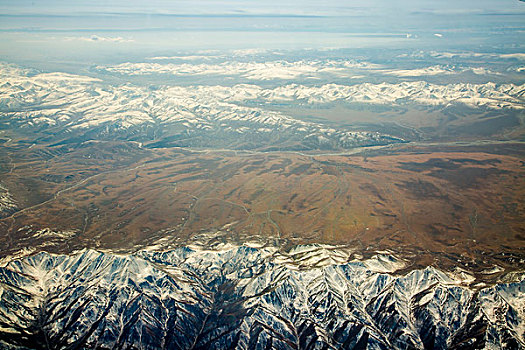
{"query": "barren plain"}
(447, 206)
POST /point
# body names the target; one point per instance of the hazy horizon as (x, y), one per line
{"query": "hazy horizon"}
(33, 31)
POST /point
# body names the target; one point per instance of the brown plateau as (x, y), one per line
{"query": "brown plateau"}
(446, 207)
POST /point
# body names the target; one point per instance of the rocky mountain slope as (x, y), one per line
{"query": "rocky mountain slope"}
(241, 297)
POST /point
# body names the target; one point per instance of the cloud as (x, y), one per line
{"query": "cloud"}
(449, 55)
(96, 38)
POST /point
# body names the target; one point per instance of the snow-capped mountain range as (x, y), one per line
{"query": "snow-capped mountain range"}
(188, 115)
(246, 297)
(281, 69)
(82, 104)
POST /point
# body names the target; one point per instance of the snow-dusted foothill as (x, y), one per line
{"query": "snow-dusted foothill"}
(8, 204)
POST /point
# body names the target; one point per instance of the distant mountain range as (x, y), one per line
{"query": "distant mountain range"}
(65, 108)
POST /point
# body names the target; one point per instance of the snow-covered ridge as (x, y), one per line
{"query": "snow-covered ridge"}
(487, 95)
(238, 116)
(81, 103)
(247, 297)
(281, 69)
(45, 92)
(437, 70)
(251, 70)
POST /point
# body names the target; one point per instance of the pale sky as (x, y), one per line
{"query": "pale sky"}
(64, 29)
(296, 7)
